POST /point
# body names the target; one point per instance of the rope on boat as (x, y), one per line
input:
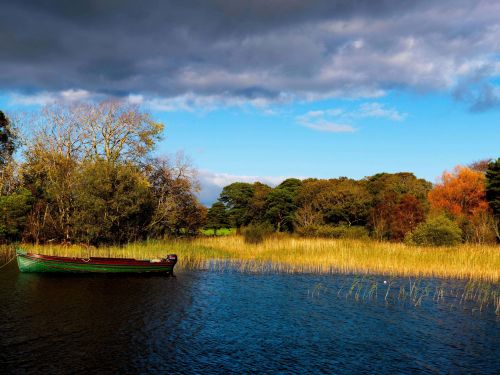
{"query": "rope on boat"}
(11, 259)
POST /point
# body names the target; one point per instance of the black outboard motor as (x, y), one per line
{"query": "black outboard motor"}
(171, 258)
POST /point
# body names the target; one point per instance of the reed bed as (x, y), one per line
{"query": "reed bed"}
(305, 255)
(404, 268)
(473, 295)
(7, 253)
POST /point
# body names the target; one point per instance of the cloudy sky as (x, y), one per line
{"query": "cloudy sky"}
(268, 89)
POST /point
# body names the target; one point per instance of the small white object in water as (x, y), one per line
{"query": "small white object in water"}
(385, 281)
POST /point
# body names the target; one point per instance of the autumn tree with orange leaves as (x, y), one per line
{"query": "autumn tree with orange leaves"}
(462, 195)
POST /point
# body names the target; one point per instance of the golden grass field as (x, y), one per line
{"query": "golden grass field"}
(305, 255)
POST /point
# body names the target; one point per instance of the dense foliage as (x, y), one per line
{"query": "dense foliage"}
(493, 186)
(493, 192)
(436, 231)
(86, 176)
(8, 140)
(217, 217)
(384, 206)
(257, 233)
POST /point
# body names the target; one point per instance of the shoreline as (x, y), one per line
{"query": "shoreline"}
(291, 254)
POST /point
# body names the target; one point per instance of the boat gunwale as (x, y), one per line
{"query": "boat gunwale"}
(96, 261)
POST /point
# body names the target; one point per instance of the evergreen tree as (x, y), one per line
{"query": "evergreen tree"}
(236, 198)
(7, 140)
(493, 192)
(13, 214)
(493, 187)
(217, 217)
(281, 205)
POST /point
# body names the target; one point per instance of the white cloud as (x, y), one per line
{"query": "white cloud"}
(338, 120)
(329, 127)
(45, 97)
(191, 102)
(223, 179)
(135, 99)
(75, 95)
(378, 110)
(284, 51)
(212, 183)
(42, 98)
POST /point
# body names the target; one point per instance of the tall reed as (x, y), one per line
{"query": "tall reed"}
(7, 252)
(307, 255)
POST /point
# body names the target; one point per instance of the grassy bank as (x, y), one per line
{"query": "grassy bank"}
(292, 254)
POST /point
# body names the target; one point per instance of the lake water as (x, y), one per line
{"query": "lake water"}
(220, 322)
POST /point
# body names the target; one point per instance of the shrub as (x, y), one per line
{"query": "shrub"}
(435, 231)
(255, 234)
(329, 231)
(14, 209)
(307, 230)
(480, 229)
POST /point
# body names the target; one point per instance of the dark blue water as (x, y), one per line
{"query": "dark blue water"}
(206, 322)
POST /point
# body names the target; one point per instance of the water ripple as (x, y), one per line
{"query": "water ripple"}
(223, 322)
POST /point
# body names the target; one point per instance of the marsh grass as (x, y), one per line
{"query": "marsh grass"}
(477, 266)
(308, 255)
(7, 253)
(473, 295)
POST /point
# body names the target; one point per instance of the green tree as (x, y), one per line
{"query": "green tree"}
(398, 183)
(436, 231)
(280, 209)
(237, 197)
(493, 186)
(13, 214)
(399, 203)
(281, 205)
(257, 205)
(113, 202)
(176, 209)
(347, 201)
(8, 167)
(51, 178)
(493, 191)
(338, 201)
(217, 217)
(8, 140)
(85, 169)
(291, 184)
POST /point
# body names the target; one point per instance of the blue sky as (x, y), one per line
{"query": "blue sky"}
(434, 133)
(423, 134)
(271, 89)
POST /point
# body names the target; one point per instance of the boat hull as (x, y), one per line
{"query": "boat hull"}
(40, 263)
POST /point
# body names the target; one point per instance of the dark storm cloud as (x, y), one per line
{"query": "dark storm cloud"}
(257, 50)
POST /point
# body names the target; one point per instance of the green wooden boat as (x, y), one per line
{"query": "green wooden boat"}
(29, 262)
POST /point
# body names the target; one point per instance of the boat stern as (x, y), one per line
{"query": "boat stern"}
(171, 258)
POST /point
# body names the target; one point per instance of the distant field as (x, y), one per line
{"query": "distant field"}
(220, 232)
(299, 255)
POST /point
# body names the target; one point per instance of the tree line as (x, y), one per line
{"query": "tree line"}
(463, 207)
(84, 174)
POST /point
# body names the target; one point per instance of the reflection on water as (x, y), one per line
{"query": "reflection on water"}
(227, 321)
